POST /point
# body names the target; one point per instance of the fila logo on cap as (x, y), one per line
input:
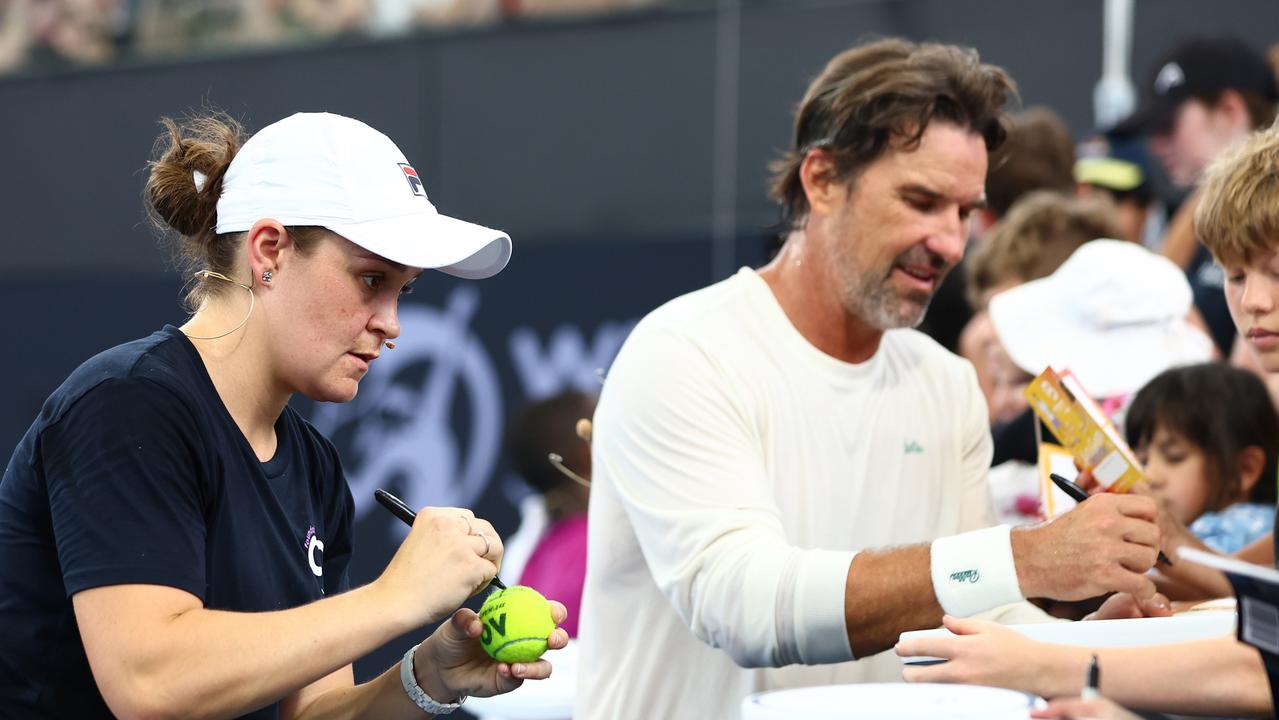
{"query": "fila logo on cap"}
(415, 182)
(1169, 77)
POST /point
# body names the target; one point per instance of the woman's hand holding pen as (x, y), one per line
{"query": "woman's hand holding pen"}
(448, 556)
(458, 555)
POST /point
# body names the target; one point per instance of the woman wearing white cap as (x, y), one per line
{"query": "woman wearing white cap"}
(174, 538)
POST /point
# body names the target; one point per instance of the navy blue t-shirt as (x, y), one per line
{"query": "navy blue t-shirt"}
(134, 472)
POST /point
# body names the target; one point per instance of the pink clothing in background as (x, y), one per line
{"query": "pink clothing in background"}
(557, 567)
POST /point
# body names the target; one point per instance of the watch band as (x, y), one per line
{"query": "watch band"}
(417, 694)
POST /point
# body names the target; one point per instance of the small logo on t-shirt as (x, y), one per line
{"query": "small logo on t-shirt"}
(314, 552)
(914, 448)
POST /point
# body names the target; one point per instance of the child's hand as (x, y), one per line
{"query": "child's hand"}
(980, 652)
(1087, 480)
(1123, 605)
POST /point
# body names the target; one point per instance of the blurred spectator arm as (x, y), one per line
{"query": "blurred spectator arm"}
(572, 7)
(326, 18)
(1180, 242)
(443, 13)
(15, 33)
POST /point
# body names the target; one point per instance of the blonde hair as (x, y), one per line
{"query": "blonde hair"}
(1237, 217)
(1039, 232)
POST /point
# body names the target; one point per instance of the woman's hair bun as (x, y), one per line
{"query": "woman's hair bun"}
(200, 144)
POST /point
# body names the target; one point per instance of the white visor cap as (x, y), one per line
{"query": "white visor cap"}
(320, 169)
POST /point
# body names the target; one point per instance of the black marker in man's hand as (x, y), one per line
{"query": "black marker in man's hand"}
(1078, 494)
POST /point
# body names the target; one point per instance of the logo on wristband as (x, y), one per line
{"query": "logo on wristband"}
(971, 576)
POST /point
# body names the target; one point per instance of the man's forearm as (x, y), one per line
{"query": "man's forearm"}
(887, 593)
(890, 591)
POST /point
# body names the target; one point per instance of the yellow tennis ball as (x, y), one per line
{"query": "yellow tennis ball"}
(516, 622)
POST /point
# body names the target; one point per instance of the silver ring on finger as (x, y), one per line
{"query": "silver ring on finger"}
(469, 530)
(487, 547)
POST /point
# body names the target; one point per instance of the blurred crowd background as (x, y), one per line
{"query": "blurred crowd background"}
(45, 34)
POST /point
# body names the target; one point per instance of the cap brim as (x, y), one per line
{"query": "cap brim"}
(435, 242)
(1148, 119)
(1132, 126)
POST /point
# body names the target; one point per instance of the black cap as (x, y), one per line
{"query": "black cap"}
(1197, 67)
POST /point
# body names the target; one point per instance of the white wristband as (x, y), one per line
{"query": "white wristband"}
(417, 694)
(974, 572)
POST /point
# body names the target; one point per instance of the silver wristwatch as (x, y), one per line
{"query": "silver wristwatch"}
(417, 694)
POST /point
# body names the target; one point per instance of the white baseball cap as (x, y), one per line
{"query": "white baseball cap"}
(1114, 315)
(332, 171)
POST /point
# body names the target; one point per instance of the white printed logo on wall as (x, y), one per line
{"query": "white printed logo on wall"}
(428, 417)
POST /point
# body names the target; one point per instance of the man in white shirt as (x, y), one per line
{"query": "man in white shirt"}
(784, 480)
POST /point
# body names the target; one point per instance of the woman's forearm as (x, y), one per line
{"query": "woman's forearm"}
(382, 698)
(212, 664)
(1218, 677)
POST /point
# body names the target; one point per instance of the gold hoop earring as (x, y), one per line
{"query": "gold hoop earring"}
(252, 302)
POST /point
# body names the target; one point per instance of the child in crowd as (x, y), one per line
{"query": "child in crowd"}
(1208, 438)
(1125, 185)
(1035, 237)
(1114, 314)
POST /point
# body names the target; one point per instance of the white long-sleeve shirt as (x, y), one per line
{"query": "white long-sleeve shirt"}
(737, 471)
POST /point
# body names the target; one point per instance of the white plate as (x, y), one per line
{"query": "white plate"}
(890, 701)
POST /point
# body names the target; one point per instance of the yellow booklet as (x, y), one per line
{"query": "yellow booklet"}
(1083, 428)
